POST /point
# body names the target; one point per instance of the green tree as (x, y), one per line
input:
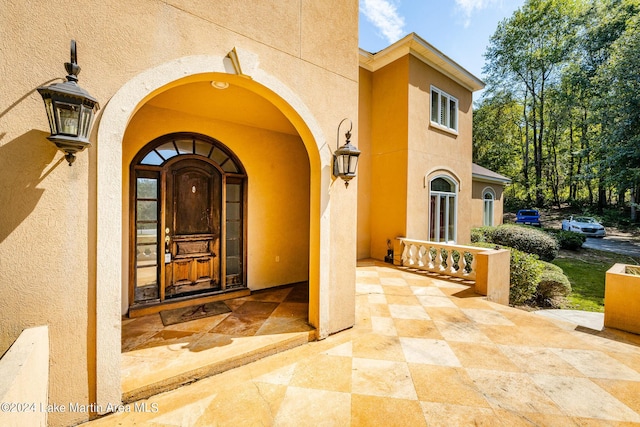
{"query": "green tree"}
(619, 104)
(498, 140)
(526, 52)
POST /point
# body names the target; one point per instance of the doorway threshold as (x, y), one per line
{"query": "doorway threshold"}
(157, 358)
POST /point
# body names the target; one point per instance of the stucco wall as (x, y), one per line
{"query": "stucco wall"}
(434, 152)
(48, 224)
(389, 155)
(407, 152)
(477, 203)
(24, 379)
(364, 163)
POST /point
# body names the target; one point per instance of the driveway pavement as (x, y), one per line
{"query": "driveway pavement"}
(617, 244)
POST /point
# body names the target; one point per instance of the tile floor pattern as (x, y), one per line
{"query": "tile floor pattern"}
(157, 357)
(423, 352)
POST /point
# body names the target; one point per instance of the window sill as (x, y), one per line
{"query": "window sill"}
(443, 128)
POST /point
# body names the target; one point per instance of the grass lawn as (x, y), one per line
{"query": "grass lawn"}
(586, 270)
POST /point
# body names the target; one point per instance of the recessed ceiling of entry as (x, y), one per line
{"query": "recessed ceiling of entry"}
(233, 104)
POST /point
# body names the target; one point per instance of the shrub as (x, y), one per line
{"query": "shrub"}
(482, 234)
(527, 239)
(526, 271)
(525, 274)
(553, 284)
(477, 236)
(568, 239)
(551, 267)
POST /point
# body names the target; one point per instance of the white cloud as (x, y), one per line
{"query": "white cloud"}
(384, 16)
(470, 6)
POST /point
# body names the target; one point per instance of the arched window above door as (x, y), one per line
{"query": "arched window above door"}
(442, 184)
(165, 148)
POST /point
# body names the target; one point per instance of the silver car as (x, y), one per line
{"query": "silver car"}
(586, 225)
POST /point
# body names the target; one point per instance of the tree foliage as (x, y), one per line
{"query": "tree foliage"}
(561, 112)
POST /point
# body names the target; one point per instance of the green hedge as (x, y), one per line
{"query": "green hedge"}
(527, 239)
(568, 239)
(525, 275)
(552, 267)
(553, 284)
(482, 234)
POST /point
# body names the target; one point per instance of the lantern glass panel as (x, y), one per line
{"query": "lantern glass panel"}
(344, 166)
(68, 118)
(85, 122)
(52, 123)
(353, 164)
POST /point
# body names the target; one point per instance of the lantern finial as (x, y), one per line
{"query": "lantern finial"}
(72, 67)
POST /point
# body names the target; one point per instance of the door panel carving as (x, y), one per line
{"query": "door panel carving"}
(193, 207)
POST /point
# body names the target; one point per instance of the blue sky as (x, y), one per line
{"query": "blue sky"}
(459, 28)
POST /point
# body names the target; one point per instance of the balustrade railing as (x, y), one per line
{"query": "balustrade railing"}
(451, 260)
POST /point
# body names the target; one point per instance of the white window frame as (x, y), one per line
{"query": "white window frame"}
(488, 203)
(434, 232)
(443, 119)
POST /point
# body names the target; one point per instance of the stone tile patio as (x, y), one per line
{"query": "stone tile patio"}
(424, 351)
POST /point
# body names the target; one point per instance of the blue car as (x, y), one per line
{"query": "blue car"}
(528, 217)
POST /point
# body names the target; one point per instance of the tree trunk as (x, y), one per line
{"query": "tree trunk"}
(602, 196)
(634, 197)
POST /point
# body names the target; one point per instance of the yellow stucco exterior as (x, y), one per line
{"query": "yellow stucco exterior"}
(406, 149)
(292, 72)
(63, 236)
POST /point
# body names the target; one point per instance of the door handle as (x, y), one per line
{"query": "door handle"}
(167, 238)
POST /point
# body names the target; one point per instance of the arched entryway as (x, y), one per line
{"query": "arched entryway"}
(187, 221)
(119, 123)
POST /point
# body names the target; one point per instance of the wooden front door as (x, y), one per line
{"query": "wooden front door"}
(187, 221)
(193, 226)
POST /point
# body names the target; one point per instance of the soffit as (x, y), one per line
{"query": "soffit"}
(233, 104)
(481, 174)
(413, 44)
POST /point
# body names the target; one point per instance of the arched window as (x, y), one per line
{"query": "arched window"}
(187, 232)
(488, 197)
(443, 209)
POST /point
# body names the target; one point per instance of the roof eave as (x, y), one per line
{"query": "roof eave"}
(484, 178)
(414, 45)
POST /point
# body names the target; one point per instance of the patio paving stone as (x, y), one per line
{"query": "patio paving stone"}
(423, 352)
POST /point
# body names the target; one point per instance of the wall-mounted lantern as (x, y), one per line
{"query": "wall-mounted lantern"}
(70, 110)
(345, 158)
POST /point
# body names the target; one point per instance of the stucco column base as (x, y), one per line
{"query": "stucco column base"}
(622, 299)
(493, 275)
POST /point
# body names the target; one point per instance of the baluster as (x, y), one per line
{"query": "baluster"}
(439, 260)
(405, 252)
(432, 258)
(451, 263)
(463, 264)
(474, 262)
(421, 258)
(415, 253)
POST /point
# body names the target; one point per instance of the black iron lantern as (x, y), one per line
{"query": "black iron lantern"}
(70, 110)
(345, 158)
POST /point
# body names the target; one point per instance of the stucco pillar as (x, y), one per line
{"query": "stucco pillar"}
(493, 275)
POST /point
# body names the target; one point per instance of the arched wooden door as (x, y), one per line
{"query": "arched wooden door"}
(187, 228)
(192, 227)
